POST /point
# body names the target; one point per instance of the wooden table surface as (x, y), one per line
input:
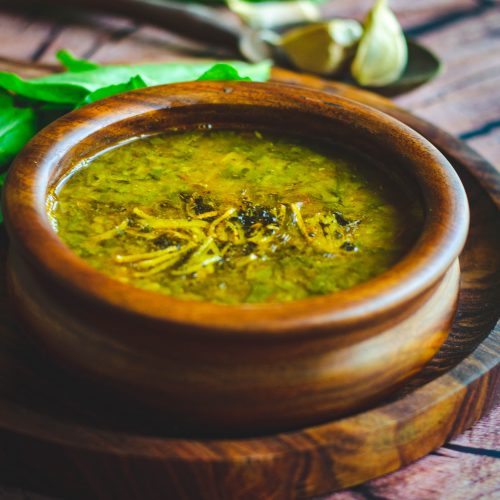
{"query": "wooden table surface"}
(463, 100)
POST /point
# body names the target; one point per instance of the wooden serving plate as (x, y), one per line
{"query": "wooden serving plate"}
(62, 436)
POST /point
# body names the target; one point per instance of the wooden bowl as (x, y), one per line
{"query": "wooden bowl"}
(245, 368)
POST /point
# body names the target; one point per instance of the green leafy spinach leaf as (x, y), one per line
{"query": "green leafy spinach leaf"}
(73, 87)
(222, 72)
(17, 126)
(72, 63)
(136, 82)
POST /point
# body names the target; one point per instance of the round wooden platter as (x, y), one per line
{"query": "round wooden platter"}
(63, 436)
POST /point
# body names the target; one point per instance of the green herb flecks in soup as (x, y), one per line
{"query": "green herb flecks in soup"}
(234, 217)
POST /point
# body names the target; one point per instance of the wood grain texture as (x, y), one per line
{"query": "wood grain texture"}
(53, 394)
(466, 467)
(451, 473)
(197, 22)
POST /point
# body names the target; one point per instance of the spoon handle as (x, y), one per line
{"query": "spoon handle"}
(193, 21)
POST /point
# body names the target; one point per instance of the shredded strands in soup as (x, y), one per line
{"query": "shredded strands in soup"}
(235, 217)
(325, 233)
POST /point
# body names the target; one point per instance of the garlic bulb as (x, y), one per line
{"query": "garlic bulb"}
(382, 53)
(322, 48)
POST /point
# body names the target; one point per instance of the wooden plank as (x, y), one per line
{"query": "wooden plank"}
(409, 12)
(106, 39)
(489, 145)
(36, 38)
(85, 35)
(476, 60)
(21, 36)
(470, 111)
(462, 99)
(462, 110)
(152, 44)
(467, 467)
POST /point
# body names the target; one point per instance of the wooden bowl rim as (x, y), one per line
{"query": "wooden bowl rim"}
(442, 239)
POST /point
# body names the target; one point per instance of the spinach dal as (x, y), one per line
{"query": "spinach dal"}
(234, 216)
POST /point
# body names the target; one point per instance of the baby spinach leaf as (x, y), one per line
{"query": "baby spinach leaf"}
(71, 63)
(17, 126)
(222, 72)
(72, 87)
(59, 88)
(136, 82)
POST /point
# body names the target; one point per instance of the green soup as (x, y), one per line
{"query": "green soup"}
(234, 217)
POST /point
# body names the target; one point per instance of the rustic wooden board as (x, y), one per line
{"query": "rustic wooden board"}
(62, 436)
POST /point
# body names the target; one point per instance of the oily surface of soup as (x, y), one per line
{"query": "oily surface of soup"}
(234, 217)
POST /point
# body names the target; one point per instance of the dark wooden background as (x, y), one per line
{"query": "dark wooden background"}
(463, 100)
